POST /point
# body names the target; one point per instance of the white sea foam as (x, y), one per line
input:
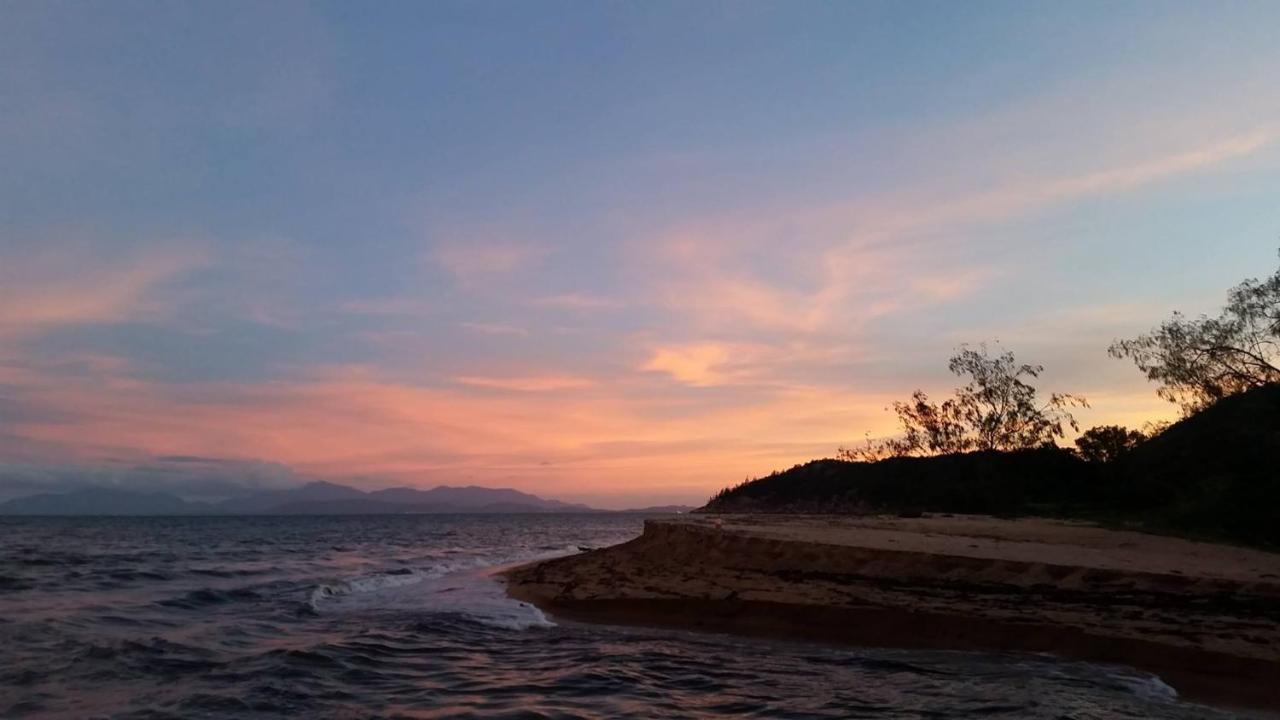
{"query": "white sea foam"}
(1150, 687)
(461, 586)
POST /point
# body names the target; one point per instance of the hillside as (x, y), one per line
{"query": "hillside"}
(981, 482)
(1215, 474)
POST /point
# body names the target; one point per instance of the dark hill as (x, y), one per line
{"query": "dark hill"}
(1217, 471)
(1216, 474)
(980, 482)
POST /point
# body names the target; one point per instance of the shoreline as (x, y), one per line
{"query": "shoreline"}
(1204, 618)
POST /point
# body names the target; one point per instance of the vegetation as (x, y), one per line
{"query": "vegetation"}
(1198, 362)
(997, 410)
(1216, 472)
(987, 481)
(1212, 475)
(992, 447)
(1107, 443)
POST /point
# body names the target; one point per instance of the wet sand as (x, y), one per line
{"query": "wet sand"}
(1205, 617)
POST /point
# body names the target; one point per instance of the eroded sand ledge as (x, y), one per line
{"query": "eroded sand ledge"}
(1204, 617)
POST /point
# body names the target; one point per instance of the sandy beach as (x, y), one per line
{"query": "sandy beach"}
(1204, 617)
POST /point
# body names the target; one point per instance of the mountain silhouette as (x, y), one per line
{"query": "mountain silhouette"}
(468, 497)
(102, 501)
(262, 502)
(314, 498)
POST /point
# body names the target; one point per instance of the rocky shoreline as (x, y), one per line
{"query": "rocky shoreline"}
(1204, 617)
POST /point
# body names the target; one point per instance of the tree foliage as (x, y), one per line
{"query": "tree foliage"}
(1106, 443)
(1200, 361)
(997, 410)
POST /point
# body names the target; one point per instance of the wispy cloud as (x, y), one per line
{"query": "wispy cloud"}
(390, 306)
(473, 261)
(494, 328)
(817, 268)
(536, 383)
(577, 301)
(1008, 201)
(68, 283)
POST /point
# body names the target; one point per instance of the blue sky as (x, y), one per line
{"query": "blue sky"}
(613, 252)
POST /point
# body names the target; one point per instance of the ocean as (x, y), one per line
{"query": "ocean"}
(399, 617)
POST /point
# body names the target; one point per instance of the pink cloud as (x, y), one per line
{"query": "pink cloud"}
(67, 282)
(346, 422)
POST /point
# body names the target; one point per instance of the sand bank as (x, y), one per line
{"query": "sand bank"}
(1204, 617)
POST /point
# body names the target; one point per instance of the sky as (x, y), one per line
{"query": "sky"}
(610, 252)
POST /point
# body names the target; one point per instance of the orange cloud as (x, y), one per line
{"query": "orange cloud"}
(599, 438)
(698, 364)
(556, 435)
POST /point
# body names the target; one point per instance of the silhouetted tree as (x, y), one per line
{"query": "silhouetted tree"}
(1152, 428)
(1198, 362)
(997, 410)
(1105, 443)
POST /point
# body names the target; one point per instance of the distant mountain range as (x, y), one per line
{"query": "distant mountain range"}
(315, 498)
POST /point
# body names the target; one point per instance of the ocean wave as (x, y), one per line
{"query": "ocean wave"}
(9, 583)
(223, 573)
(157, 655)
(364, 584)
(137, 575)
(386, 582)
(464, 588)
(1149, 687)
(205, 597)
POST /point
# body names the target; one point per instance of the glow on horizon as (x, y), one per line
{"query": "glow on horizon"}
(620, 254)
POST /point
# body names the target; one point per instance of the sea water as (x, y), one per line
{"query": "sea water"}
(400, 616)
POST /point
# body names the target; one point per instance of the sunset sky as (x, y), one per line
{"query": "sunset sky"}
(617, 253)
